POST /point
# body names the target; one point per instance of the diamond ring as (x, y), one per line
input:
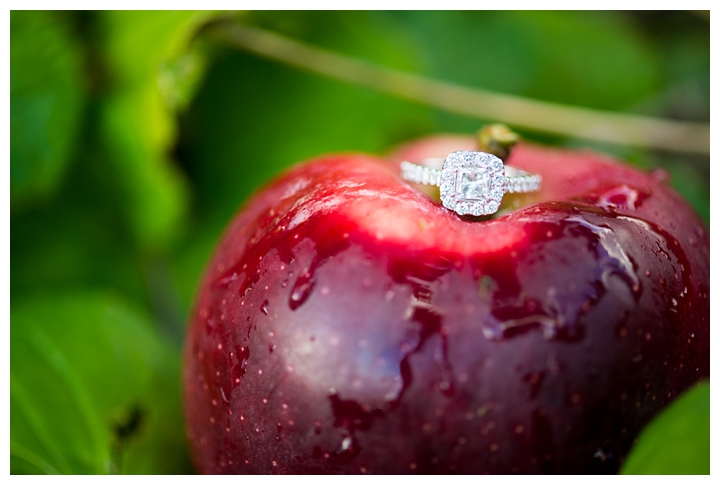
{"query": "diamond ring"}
(471, 182)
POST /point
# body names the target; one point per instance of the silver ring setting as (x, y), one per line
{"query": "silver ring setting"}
(471, 183)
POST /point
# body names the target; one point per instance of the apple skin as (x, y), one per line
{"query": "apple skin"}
(347, 323)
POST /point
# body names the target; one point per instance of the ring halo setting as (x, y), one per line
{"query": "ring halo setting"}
(472, 183)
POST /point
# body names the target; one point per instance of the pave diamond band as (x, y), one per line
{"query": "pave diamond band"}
(471, 182)
(420, 174)
(521, 181)
(518, 181)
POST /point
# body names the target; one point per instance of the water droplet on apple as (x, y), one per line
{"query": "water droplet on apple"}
(264, 307)
(240, 368)
(302, 289)
(601, 455)
(346, 450)
(611, 254)
(622, 196)
(226, 279)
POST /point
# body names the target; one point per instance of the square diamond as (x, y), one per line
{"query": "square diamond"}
(472, 183)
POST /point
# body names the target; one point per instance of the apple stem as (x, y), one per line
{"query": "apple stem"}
(497, 139)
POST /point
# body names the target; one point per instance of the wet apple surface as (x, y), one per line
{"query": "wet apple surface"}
(348, 323)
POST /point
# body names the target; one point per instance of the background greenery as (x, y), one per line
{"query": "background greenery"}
(136, 135)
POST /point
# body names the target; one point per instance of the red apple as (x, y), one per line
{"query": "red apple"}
(348, 323)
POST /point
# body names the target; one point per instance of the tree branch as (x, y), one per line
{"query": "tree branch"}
(532, 115)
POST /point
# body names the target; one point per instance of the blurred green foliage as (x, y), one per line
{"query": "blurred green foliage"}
(137, 116)
(93, 389)
(47, 89)
(677, 441)
(136, 135)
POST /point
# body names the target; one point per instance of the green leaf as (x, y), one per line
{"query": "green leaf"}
(93, 389)
(155, 71)
(677, 441)
(46, 101)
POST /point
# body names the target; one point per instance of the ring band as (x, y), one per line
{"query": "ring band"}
(471, 182)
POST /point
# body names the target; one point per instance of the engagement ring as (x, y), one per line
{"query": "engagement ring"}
(471, 182)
